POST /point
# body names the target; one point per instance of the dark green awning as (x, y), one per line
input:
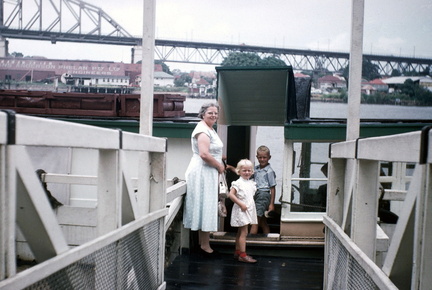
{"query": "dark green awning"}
(251, 96)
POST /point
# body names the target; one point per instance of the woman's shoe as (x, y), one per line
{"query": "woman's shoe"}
(206, 254)
(247, 259)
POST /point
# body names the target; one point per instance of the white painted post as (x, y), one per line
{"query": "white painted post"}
(144, 173)
(287, 173)
(157, 182)
(146, 106)
(423, 234)
(355, 70)
(147, 69)
(365, 207)
(336, 189)
(108, 199)
(10, 212)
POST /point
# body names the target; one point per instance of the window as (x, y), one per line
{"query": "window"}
(308, 188)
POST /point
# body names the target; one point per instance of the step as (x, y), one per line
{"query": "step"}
(269, 239)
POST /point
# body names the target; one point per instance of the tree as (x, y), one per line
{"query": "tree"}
(370, 71)
(395, 73)
(176, 72)
(426, 71)
(420, 95)
(251, 59)
(241, 59)
(165, 68)
(182, 79)
(272, 61)
(17, 54)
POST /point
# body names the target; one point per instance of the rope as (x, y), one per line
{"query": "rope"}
(305, 205)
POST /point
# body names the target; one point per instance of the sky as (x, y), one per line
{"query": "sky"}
(391, 27)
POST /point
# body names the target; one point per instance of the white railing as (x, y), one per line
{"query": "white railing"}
(117, 237)
(358, 255)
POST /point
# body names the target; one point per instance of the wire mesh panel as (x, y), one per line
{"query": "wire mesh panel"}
(129, 263)
(344, 272)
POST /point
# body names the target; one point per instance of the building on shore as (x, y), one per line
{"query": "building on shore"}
(76, 72)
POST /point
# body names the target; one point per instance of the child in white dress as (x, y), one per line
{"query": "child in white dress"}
(243, 212)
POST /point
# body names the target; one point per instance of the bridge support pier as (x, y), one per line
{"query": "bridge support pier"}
(136, 54)
(3, 47)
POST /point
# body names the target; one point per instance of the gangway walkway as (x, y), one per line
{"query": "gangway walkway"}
(270, 272)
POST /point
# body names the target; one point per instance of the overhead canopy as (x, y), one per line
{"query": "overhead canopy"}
(251, 96)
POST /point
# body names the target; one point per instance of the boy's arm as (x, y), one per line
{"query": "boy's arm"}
(272, 198)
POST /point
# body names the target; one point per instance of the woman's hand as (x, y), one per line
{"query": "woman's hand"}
(243, 206)
(220, 168)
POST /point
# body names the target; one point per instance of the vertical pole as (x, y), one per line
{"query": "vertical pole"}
(288, 155)
(146, 107)
(365, 207)
(107, 192)
(147, 69)
(355, 70)
(424, 244)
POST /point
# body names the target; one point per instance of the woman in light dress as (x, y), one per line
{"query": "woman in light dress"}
(202, 176)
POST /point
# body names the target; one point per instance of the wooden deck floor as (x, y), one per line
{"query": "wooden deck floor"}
(282, 268)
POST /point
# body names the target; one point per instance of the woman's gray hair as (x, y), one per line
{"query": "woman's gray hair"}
(204, 108)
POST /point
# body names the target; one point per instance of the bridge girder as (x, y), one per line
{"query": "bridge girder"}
(49, 20)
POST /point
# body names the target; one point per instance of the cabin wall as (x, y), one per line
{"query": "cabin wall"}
(178, 157)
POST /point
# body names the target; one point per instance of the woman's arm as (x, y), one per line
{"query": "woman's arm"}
(204, 152)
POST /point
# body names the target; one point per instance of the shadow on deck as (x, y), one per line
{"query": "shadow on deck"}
(280, 268)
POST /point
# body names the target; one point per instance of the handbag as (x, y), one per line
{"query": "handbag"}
(223, 187)
(222, 211)
(223, 193)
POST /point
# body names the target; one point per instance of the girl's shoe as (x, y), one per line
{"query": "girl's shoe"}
(236, 255)
(247, 259)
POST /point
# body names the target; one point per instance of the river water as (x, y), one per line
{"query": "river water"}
(273, 137)
(340, 110)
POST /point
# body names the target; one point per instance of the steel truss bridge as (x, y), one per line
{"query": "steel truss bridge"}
(78, 21)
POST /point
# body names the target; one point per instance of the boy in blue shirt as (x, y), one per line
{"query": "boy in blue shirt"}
(265, 179)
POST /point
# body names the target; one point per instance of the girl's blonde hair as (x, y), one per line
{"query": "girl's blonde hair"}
(244, 162)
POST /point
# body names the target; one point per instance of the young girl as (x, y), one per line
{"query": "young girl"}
(243, 212)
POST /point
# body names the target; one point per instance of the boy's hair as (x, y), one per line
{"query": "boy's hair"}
(204, 108)
(244, 162)
(263, 149)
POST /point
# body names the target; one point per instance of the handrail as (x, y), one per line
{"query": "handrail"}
(119, 158)
(49, 267)
(377, 275)
(354, 176)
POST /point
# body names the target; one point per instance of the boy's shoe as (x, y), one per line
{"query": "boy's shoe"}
(247, 259)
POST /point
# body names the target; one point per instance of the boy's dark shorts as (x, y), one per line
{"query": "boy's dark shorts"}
(262, 202)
